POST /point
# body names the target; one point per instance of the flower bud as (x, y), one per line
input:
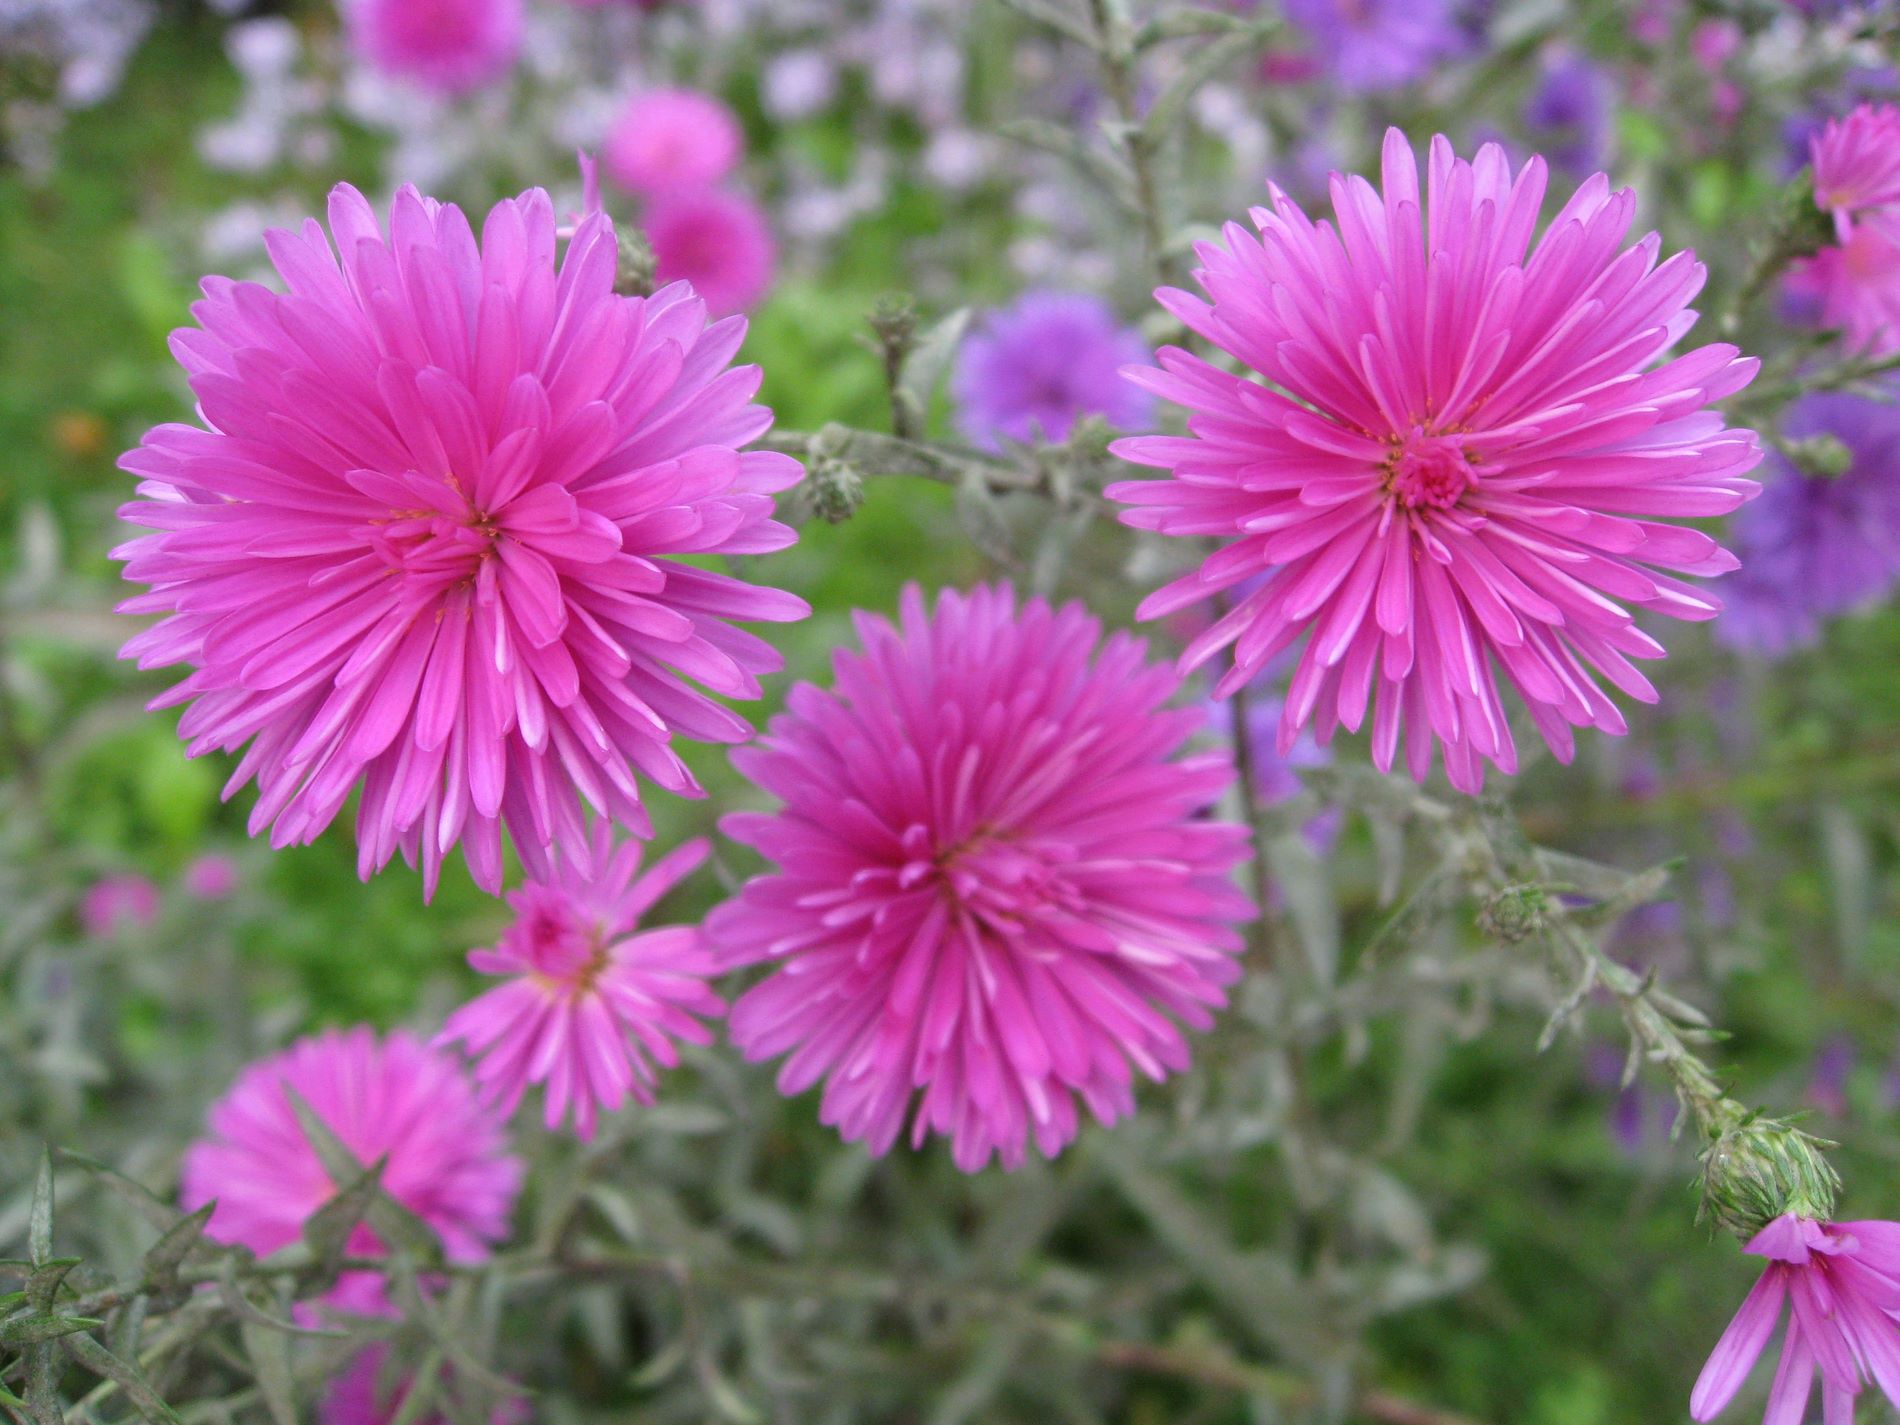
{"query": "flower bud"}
(1759, 1169)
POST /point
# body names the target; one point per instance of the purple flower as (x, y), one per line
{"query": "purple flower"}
(1030, 371)
(1827, 1081)
(1369, 45)
(1567, 116)
(1816, 546)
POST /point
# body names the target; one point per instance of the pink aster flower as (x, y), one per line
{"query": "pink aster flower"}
(667, 139)
(1461, 462)
(447, 1159)
(719, 242)
(446, 45)
(211, 877)
(996, 882)
(592, 1001)
(426, 542)
(1843, 1279)
(1857, 164)
(1853, 285)
(115, 903)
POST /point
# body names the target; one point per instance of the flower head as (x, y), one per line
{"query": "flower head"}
(996, 885)
(719, 242)
(446, 45)
(1370, 45)
(425, 542)
(591, 1000)
(1568, 115)
(669, 139)
(1463, 464)
(120, 902)
(1030, 371)
(1843, 1279)
(1853, 285)
(1817, 546)
(391, 1098)
(1857, 164)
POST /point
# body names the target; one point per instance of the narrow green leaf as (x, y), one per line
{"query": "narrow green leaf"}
(101, 1362)
(327, 1232)
(269, 1353)
(39, 1232)
(43, 1326)
(153, 1208)
(168, 1253)
(930, 359)
(399, 1228)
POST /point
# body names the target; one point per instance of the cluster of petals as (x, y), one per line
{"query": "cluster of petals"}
(1841, 1283)
(392, 1099)
(1854, 283)
(591, 1002)
(996, 889)
(447, 46)
(1463, 461)
(426, 541)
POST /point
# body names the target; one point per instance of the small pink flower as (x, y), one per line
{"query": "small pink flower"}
(590, 1004)
(719, 242)
(446, 45)
(211, 877)
(668, 139)
(117, 903)
(1464, 467)
(1843, 1279)
(1857, 164)
(393, 1097)
(998, 892)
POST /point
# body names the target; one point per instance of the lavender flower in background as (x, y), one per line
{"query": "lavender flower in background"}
(1568, 116)
(1370, 45)
(1031, 370)
(1816, 546)
(1642, 1117)
(1827, 1080)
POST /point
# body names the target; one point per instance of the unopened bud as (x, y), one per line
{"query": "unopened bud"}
(1763, 1168)
(637, 272)
(835, 488)
(1514, 914)
(1823, 456)
(894, 319)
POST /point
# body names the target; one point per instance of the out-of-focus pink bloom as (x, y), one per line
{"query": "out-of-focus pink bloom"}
(428, 542)
(719, 242)
(1465, 464)
(1843, 1279)
(369, 1391)
(116, 903)
(997, 886)
(446, 45)
(392, 1098)
(1853, 287)
(667, 139)
(591, 1001)
(1857, 164)
(211, 877)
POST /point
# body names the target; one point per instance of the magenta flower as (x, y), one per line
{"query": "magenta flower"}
(393, 1097)
(111, 904)
(719, 242)
(1853, 285)
(369, 1391)
(667, 139)
(1857, 164)
(426, 544)
(211, 877)
(1464, 462)
(996, 884)
(445, 45)
(1030, 371)
(590, 1003)
(1844, 1281)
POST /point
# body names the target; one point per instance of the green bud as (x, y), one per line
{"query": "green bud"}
(1514, 914)
(1824, 456)
(637, 272)
(894, 319)
(1759, 1169)
(834, 488)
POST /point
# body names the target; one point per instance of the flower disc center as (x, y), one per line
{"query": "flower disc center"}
(1429, 470)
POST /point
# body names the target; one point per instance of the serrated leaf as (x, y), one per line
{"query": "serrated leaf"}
(269, 1353)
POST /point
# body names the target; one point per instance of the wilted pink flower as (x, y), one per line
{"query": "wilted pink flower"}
(1857, 164)
(445, 45)
(119, 902)
(720, 242)
(211, 877)
(667, 139)
(394, 1098)
(996, 883)
(1844, 1281)
(426, 544)
(368, 1391)
(592, 1001)
(1462, 464)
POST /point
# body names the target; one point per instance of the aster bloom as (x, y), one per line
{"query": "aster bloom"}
(1568, 115)
(446, 45)
(391, 1097)
(115, 903)
(1031, 370)
(424, 543)
(719, 242)
(592, 1001)
(1370, 45)
(672, 138)
(1843, 1279)
(1817, 546)
(1857, 164)
(996, 888)
(1463, 463)
(1853, 285)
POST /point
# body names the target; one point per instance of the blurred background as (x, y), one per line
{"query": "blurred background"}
(1477, 1232)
